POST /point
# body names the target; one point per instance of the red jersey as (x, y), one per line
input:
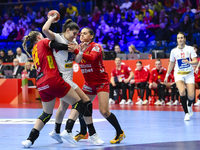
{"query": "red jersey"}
(157, 77)
(171, 77)
(92, 65)
(121, 74)
(44, 61)
(197, 77)
(141, 75)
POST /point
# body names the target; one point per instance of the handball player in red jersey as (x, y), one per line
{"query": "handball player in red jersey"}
(51, 85)
(90, 59)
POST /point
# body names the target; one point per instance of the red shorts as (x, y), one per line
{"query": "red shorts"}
(93, 90)
(53, 87)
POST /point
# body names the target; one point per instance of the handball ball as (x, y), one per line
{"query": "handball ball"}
(52, 13)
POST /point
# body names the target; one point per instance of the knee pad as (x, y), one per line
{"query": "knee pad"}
(87, 109)
(78, 106)
(45, 117)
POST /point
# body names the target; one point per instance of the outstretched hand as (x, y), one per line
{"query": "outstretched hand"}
(196, 70)
(72, 47)
(83, 46)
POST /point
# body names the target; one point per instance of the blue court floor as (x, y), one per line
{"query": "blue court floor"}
(145, 130)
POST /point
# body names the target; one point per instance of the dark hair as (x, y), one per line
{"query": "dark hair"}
(182, 34)
(69, 24)
(158, 60)
(139, 62)
(1, 59)
(91, 33)
(197, 47)
(31, 37)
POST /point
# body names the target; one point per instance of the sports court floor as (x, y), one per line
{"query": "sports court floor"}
(146, 128)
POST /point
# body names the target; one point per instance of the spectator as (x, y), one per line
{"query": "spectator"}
(127, 4)
(46, 11)
(10, 56)
(133, 50)
(129, 15)
(21, 32)
(181, 10)
(1, 68)
(30, 70)
(158, 6)
(139, 15)
(147, 18)
(31, 14)
(155, 19)
(5, 18)
(90, 23)
(8, 28)
(190, 13)
(105, 5)
(134, 28)
(151, 5)
(114, 6)
(156, 81)
(141, 78)
(24, 20)
(62, 11)
(111, 19)
(81, 22)
(136, 5)
(118, 21)
(168, 5)
(186, 27)
(18, 9)
(117, 49)
(22, 58)
(42, 11)
(120, 80)
(104, 15)
(39, 20)
(167, 21)
(196, 27)
(144, 34)
(3, 55)
(175, 27)
(163, 33)
(17, 69)
(96, 15)
(72, 11)
(149, 10)
(12, 35)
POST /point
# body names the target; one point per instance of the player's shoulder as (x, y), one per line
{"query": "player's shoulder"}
(154, 69)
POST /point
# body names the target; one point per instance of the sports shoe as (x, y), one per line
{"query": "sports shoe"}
(162, 102)
(118, 139)
(69, 137)
(190, 111)
(145, 102)
(56, 136)
(129, 102)
(176, 102)
(187, 117)
(123, 101)
(169, 103)
(95, 139)
(111, 101)
(197, 103)
(80, 136)
(139, 102)
(27, 143)
(157, 102)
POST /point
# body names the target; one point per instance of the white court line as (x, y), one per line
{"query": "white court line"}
(32, 121)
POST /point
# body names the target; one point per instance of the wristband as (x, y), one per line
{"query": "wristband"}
(167, 75)
(80, 52)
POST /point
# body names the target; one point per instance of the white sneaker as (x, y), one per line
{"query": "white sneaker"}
(56, 136)
(187, 117)
(111, 101)
(190, 111)
(176, 103)
(95, 139)
(139, 102)
(69, 137)
(123, 101)
(169, 103)
(157, 102)
(129, 102)
(145, 102)
(197, 103)
(162, 102)
(27, 143)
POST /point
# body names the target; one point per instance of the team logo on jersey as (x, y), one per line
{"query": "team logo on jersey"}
(68, 65)
(96, 49)
(82, 60)
(122, 71)
(159, 77)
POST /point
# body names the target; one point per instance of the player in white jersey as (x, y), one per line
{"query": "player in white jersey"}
(183, 57)
(64, 60)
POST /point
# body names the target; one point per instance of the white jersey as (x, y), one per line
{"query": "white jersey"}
(177, 55)
(64, 60)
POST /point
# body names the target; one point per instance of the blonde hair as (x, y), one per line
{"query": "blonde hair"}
(134, 49)
(32, 38)
(27, 63)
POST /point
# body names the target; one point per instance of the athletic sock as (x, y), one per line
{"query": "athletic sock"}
(91, 129)
(113, 120)
(83, 126)
(33, 135)
(69, 125)
(184, 103)
(57, 127)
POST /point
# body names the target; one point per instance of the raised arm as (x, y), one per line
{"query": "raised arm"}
(45, 29)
